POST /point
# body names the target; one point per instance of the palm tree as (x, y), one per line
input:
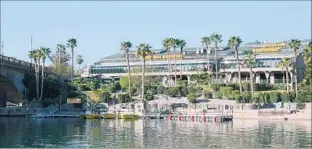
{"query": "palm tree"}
(125, 46)
(294, 45)
(286, 63)
(234, 43)
(31, 56)
(181, 44)
(143, 51)
(308, 61)
(216, 39)
(44, 52)
(206, 41)
(167, 44)
(36, 55)
(60, 48)
(175, 45)
(250, 60)
(79, 61)
(72, 43)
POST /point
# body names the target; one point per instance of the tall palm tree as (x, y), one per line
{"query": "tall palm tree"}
(37, 56)
(307, 53)
(206, 41)
(175, 46)
(31, 56)
(234, 43)
(44, 52)
(216, 39)
(250, 60)
(59, 48)
(294, 44)
(79, 61)
(125, 47)
(143, 51)
(72, 43)
(181, 44)
(286, 63)
(167, 44)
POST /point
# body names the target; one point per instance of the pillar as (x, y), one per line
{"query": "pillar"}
(257, 77)
(267, 75)
(272, 78)
(235, 77)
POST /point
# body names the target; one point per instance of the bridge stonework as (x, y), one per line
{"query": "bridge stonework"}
(12, 73)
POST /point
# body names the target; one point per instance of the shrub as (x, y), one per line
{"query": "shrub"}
(152, 90)
(123, 98)
(181, 83)
(219, 95)
(149, 97)
(83, 87)
(246, 97)
(192, 97)
(161, 90)
(226, 91)
(117, 86)
(111, 89)
(207, 94)
(193, 89)
(172, 91)
(184, 91)
(274, 97)
(237, 98)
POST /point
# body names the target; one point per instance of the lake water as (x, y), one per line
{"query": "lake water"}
(80, 133)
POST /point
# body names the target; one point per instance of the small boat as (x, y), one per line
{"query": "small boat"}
(109, 116)
(129, 116)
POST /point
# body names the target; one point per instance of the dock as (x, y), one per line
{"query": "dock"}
(180, 117)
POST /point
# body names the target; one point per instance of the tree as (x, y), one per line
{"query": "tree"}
(44, 52)
(175, 45)
(125, 47)
(143, 51)
(286, 63)
(234, 42)
(60, 61)
(206, 41)
(60, 49)
(216, 39)
(79, 61)
(181, 44)
(307, 55)
(167, 44)
(72, 43)
(36, 56)
(294, 44)
(250, 60)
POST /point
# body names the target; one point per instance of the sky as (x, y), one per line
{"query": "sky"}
(100, 26)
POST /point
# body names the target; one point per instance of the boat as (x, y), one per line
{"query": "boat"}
(109, 116)
(129, 116)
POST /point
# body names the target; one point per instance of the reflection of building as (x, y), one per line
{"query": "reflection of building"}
(194, 60)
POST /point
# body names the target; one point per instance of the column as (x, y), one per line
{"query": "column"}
(257, 77)
(267, 75)
(188, 79)
(272, 78)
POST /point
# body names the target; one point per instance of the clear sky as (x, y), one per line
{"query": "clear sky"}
(100, 26)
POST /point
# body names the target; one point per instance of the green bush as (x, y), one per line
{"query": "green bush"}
(246, 97)
(184, 91)
(181, 83)
(219, 95)
(192, 97)
(111, 89)
(238, 98)
(117, 86)
(193, 89)
(226, 91)
(207, 94)
(123, 98)
(152, 90)
(83, 87)
(274, 97)
(161, 90)
(93, 85)
(149, 97)
(172, 91)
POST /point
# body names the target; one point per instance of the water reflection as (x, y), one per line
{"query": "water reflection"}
(23, 132)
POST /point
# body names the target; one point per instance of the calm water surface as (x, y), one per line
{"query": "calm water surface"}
(61, 132)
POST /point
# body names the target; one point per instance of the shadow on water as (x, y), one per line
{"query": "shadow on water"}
(72, 132)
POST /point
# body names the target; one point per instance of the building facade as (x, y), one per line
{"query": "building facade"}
(194, 60)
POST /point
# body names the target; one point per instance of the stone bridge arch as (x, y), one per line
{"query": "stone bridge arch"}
(8, 92)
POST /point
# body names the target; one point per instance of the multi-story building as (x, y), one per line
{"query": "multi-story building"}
(194, 60)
